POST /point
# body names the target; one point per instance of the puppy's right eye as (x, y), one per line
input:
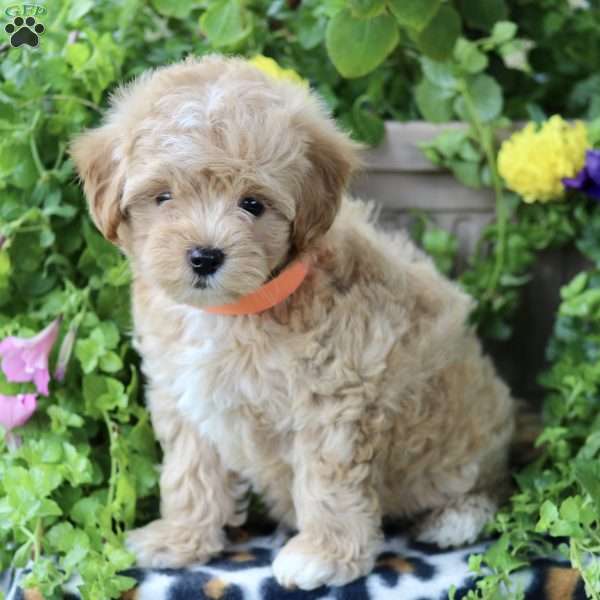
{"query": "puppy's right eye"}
(163, 197)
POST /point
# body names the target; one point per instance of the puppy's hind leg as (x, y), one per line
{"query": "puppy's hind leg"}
(457, 523)
(462, 518)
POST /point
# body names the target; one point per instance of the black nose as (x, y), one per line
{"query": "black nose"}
(205, 261)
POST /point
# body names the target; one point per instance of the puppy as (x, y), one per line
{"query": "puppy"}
(358, 395)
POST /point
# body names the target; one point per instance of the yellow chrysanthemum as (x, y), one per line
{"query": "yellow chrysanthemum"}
(534, 160)
(270, 67)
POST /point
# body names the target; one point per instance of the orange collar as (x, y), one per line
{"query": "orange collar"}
(271, 293)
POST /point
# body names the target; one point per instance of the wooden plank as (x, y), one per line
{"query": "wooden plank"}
(432, 191)
(399, 150)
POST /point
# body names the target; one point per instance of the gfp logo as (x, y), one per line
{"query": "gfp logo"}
(25, 28)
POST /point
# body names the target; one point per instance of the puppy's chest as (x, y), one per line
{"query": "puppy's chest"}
(228, 382)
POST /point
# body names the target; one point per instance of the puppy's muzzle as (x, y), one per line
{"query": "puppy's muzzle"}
(205, 261)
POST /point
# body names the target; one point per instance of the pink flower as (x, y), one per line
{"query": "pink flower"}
(26, 359)
(16, 410)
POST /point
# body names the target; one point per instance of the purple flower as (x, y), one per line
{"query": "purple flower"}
(588, 179)
(26, 359)
(16, 410)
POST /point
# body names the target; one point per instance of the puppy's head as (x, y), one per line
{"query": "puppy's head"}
(211, 175)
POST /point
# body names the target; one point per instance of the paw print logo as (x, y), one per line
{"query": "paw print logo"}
(24, 31)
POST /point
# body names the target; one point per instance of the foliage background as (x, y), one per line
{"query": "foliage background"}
(85, 471)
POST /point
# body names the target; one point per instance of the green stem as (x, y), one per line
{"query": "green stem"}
(28, 534)
(61, 16)
(34, 538)
(113, 463)
(34, 149)
(66, 98)
(484, 137)
(59, 157)
(83, 101)
(15, 226)
(37, 543)
(30, 228)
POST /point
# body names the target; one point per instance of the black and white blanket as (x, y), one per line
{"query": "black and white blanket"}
(404, 571)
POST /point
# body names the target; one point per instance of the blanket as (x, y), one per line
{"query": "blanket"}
(404, 570)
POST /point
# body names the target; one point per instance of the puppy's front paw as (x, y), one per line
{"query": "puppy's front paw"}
(165, 543)
(303, 564)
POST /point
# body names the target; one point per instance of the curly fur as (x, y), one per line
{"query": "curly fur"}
(364, 394)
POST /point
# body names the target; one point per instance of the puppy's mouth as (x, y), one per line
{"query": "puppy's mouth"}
(200, 283)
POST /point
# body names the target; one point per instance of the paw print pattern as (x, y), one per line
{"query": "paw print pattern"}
(24, 31)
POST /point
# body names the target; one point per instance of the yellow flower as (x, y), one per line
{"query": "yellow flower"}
(534, 160)
(270, 67)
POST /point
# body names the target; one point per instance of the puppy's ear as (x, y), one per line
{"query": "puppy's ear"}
(102, 173)
(333, 157)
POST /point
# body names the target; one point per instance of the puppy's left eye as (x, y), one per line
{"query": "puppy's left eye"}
(252, 205)
(163, 197)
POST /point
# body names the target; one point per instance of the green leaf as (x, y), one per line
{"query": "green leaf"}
(486, 97)
(469, 152)
(86, 511)
(438, 38)
(78, 469)
(77, 55)
(22, 556)
(4, 265)
(179, 9)
(367, 123)
(574, 287)
(498, 556)
(440, 73)
(548, 515)
(225, 23)
(111, 362)
(76, 553)
(88, 352)
(79, 9)
(120, 558)
(357, 46)
(469, 57)
(103, 393)
(44, 450)
(415, 14)
(125, 499)
(466, 172)
(310, 30)
(61, 535)
(450, 142)
(515, 54)
(435, 103)
(61, 419)
(587, 473)
(48, 508)
(366, 8)
(442, 246)
(503, 31)
(110, 334)
(570, 509)
(146, 474)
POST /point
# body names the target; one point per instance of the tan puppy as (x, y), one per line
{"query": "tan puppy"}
(363, 394)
